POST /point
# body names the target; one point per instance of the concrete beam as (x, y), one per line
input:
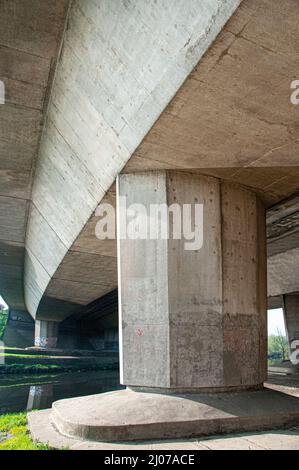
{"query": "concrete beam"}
(283, 273)
(30, 34)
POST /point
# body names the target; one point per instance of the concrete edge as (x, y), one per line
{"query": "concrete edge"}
(42, 431)
(173, 423)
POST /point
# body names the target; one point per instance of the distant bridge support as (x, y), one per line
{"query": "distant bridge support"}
(19, 331)
(291, 319)
(46, 334)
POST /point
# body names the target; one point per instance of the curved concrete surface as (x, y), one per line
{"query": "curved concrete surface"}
(29, 44)
(120, 65)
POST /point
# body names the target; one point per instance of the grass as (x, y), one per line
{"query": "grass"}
(18, 438)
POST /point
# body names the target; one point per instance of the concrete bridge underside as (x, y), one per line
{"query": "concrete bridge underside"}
(107, 105)
(185, 101)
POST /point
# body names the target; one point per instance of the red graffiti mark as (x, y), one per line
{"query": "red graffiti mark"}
(139, 332)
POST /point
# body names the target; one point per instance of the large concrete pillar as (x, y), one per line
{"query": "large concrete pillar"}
(291, 320)
(194, 320)
(46, 334)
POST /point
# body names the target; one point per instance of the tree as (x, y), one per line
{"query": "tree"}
(278, 345)
(3, 320)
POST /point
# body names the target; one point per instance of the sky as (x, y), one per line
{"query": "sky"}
(275, 321)
(2, 302)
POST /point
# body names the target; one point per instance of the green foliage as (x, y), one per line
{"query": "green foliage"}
(3, 321)
(13, 427)
(51, 368)
(10, 421)
(30, 369)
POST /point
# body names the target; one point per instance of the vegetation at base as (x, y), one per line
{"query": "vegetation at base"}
(3, 321)
(26, 356)
(29, 369)
(50, 368)
(277, 348)
(18, 363)
(14, 434)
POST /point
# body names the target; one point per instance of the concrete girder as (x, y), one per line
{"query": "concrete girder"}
(29, 44)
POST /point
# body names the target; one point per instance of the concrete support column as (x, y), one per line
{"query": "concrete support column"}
(291, 320)
(19, 330)
(193, 320)
(46, 334)
(40, 397)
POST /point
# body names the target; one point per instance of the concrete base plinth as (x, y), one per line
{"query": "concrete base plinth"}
(127, 415)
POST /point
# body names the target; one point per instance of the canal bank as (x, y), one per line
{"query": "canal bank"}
(27, 361)
(34, 379)
(26, 392)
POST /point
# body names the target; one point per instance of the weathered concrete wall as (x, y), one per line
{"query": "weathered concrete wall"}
(121, 64)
